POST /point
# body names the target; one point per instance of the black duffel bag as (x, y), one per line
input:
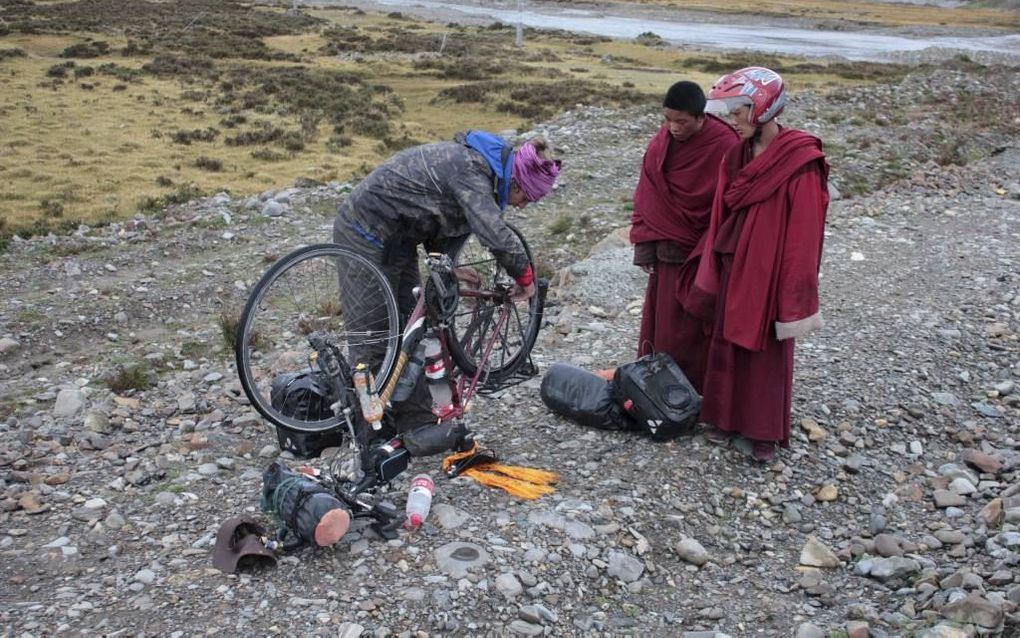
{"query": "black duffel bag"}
(303, 396)
(583, 397)
(657, 396)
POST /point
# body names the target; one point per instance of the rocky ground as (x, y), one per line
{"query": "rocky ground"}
(896, 512)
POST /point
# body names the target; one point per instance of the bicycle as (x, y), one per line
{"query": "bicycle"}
(305, 317)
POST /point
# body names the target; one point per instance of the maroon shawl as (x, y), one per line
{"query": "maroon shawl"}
(674, 193)
(755, 296)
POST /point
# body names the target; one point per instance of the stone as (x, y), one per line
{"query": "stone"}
(69, 402)
(950, 536)
(508, 585)
(524, 628)
(145, 576)
(888, 545)
(273, 208)
(974, 609)
(894, 568)
(857, 629)
(962, 486)
(692, 551)
(8, 345)
(448, 516)
(96, 421)
(827, 493)
(945, 498)
(809, 630)
(624, 567)
(455, 559)
(814, 431)
(991, 514)
(817, 554)
(943, 630)
(981, 461)
(791, 514)
(854, 463)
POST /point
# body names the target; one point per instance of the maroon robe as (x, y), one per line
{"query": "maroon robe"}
(758, 274)
(672, 204)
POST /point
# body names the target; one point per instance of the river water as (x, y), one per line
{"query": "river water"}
(852, 45)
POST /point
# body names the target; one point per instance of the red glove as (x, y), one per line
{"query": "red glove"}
(526, 278)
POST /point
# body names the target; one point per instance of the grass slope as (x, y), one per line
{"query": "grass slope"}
(110, 108)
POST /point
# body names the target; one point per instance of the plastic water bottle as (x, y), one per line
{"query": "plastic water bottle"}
(439, 382)
(419, 500)
(409, 377)
(371, 407)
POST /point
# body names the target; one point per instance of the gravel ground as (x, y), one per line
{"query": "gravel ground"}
(896, 512)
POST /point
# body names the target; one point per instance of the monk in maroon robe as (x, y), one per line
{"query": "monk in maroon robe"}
(757, 278)
(671, 209)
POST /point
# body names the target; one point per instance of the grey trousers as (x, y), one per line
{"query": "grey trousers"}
(400, 267)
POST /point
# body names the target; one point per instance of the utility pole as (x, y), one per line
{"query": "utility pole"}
(520, 26)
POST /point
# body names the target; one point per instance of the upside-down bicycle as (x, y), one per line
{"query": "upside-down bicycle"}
(321, 308)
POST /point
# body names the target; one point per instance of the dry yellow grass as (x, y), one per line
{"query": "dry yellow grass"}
(876, 13)
(94, 148)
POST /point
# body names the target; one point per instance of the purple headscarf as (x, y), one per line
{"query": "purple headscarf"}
(534, 175)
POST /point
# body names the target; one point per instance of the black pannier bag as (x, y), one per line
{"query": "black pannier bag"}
(657, 396)
(583, 397)
(302, 396)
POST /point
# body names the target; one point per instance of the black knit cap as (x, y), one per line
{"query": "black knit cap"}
(685, 96)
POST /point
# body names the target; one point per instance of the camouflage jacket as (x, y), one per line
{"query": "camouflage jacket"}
(430, 193)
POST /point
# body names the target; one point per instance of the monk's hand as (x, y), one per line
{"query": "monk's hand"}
(468, 276)
(521, 293)
(648, 268)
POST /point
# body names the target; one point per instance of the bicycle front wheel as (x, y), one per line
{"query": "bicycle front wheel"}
(487, 318)
(320, 288)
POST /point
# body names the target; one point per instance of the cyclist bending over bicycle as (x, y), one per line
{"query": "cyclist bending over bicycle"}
(437, 195)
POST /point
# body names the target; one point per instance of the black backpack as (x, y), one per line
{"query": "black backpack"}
(304, 397)
(657, 396)
(301, 396)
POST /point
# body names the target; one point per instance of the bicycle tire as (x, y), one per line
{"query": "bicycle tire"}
(304, 292)
(468, 332)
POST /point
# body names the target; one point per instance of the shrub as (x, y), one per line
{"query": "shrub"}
(230, 326)
(233, 120)
(194, 135)
(11, 53)
(263, 133)
(52, 208)
(209, 164)
(182, 194)
(136, 376)
(59, 70)
(338, 141)
(92, 49)
(268, 155)
(650, 39)
(122, 73)
(561, 225)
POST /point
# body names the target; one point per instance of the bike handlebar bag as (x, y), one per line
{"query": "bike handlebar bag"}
(656, 395)
(583, 397)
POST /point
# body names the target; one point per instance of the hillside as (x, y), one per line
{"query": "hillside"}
(903, 481)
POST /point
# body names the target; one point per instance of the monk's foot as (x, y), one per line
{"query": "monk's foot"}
(763, 451)
(715, 436)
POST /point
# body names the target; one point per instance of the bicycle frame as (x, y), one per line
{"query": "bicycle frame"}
(372, 460)
(463, 387)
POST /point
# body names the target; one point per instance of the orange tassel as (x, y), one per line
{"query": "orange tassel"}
(523, 482)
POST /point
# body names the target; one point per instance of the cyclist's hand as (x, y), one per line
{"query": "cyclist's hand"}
(520, 293)
(648, 268)
(468, 276)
